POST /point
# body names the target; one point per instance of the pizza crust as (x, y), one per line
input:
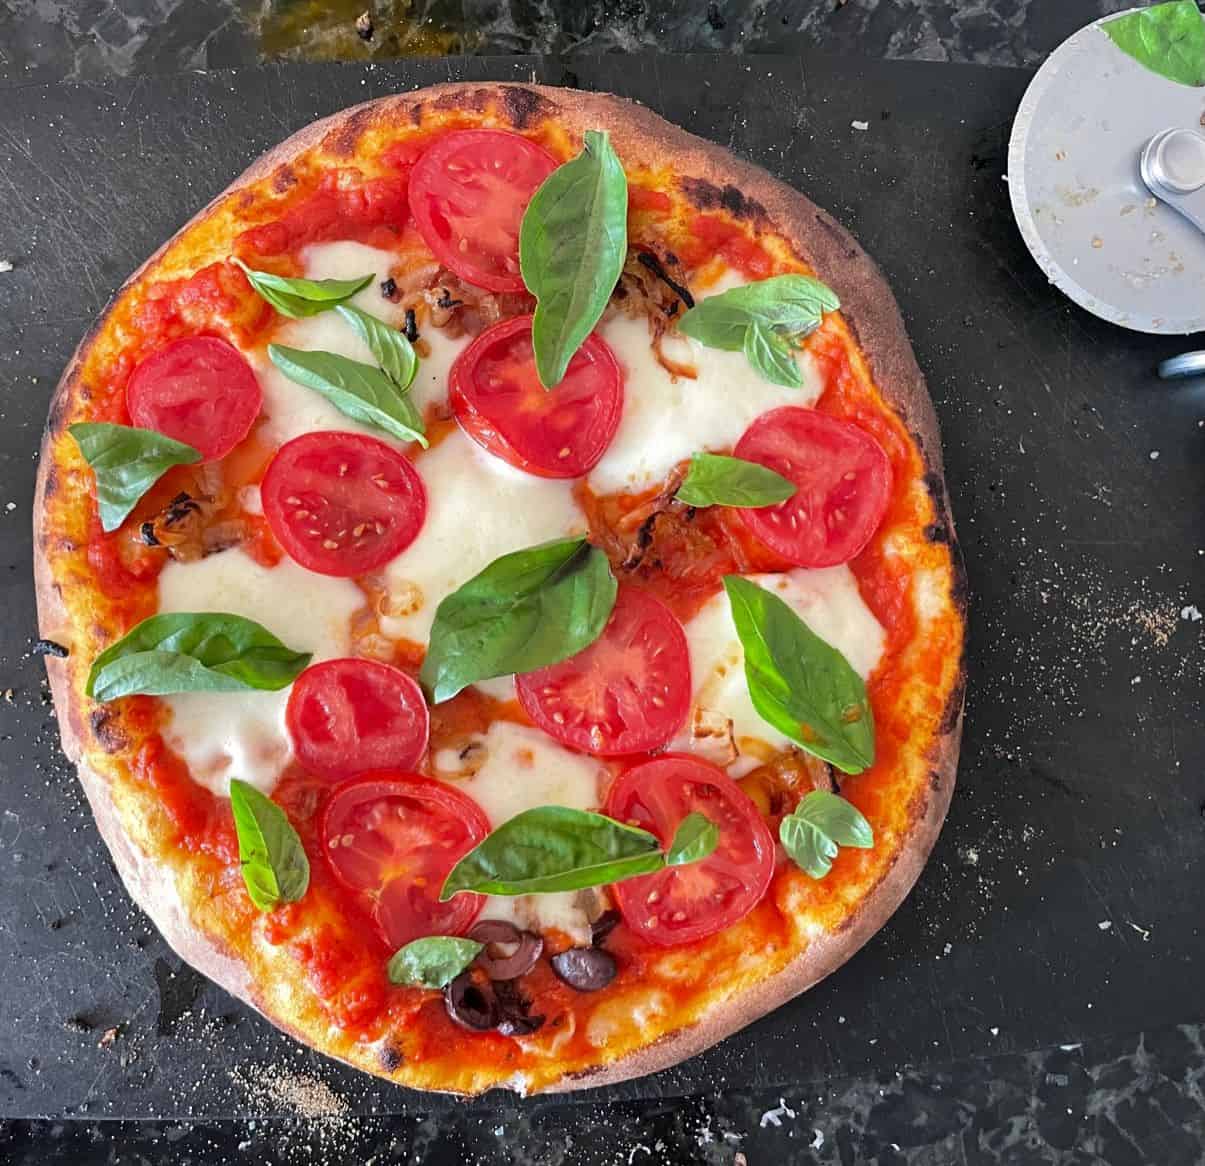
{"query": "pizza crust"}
(868, 307)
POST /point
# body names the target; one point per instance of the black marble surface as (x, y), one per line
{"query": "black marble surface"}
(49, 40)
(1123, 1096)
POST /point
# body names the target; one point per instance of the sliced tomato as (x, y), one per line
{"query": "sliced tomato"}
(349, 716)
(628, 692)
(342, 503)
(198, 390)
(555, 433)
(684, 903)
(468, 193)
(843, 479)
(393, 838)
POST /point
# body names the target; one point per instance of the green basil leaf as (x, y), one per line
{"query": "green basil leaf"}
(298, 298)
(717, 480)
(359, 391)
(819, 825)
(695, 838)
(526, 610)
(553, 848)
(772, 357)
(763, 320)
(127, 462)
(1168, 39)
(572, 247)
(432, 962)
(193, 652)
(798, 683)
(392, 350)
(275, 867)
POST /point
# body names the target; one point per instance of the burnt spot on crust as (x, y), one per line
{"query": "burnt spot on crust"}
(343, 140)
(936, 532)
(50, 481)
(390, 1058)
(706, 196)
(951, 713)
(524, 106)
(284, 178)
(56, 419)
(107, 730)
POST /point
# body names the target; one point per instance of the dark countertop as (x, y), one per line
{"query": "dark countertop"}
(89, 39)
(1134, 1097)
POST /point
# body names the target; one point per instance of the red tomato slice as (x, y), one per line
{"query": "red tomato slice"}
(349, 716)
(628, 692)
(468, 193)
(499, 401)
(342, 503)
(393, 838)
(844, 481)
(198, 390)
(683, 903)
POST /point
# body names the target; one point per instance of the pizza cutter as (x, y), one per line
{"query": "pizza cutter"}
(1106, 173)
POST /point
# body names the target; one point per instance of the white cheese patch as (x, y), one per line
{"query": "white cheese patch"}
(666, 418)
(827, 600)
(242, 734)
(478, 508)
(346, 260)
(523, 768)
(431, 381)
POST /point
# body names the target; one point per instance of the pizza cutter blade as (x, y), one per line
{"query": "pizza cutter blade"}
(1093, 127)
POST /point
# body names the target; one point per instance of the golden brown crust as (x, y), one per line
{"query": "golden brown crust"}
(742, 190)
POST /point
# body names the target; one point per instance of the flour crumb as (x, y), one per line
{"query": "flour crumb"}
(818, 1140)
(1105, 924)
(5, 265)
(773, 1117)
(860, 125)
(1192, 613)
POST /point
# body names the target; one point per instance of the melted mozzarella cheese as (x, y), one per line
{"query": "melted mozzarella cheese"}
(519, 768)
(827, 600)
(667, 418)
(221, 735)
(478, 508)
(346, 260)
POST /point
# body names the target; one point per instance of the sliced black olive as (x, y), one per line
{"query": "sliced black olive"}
(471, 1004)
(514, 1011)
(585, 968)
(603, 926)
(508, 952)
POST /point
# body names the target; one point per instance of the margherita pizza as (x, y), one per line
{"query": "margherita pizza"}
(511, 617)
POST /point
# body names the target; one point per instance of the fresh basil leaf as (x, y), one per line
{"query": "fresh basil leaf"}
(432, 962)
(127, 462)
(695, 838)
(1168, 39)
(193, 652)
(819, 825)
(359, 391)
(299, 298)
(772, 357)
(554, 848)
(717, 480)
(572, 247)
(800, 685)
(763, 320)
(392, 350)
(526, 610)
(275, 867)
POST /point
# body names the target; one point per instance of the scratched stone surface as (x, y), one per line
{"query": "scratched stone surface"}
(1036, 999)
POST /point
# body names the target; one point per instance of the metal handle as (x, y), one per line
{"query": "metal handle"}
(1172, 165)
(1187, 364)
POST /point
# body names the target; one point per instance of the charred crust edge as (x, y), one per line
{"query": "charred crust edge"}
(106, 728)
